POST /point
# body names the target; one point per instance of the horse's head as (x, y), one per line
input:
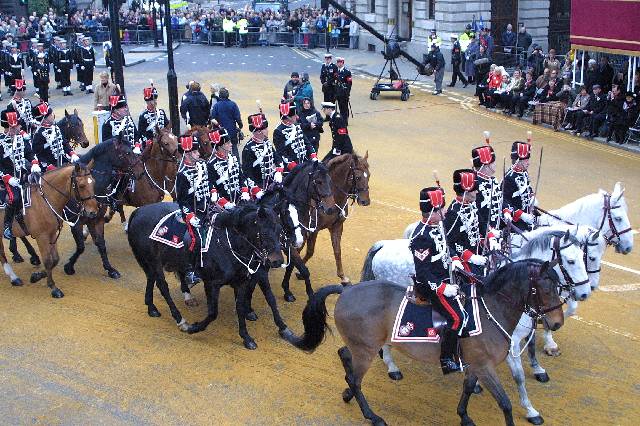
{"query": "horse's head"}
(206, 147)
(82, 185)
(543, 296)
(568, 252)
(616, 224)
(267, 229)
(73, 129)
(319, 186)
(122, 156)
(593, 246)
(278, 199)
(167, 143)
(360, 183)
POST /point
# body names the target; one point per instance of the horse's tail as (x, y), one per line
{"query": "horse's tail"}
(314, 318)
(367, 268)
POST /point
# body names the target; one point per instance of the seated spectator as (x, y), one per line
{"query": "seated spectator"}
(549, 109)
(543, 79)
(628, 117)
(527, 95)
(550, 93)
(596, 109)
(615, 101)
(592, 76)
(581, 103)
(484, 73)
(509, 98)
(501, 87)
(566, 72)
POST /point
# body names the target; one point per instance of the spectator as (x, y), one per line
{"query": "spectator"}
(195, 106)
(524, 40)
(311, 122)
(509, 43)
(527, 95)
(597, 106)
(536, 61)
(486, 39)
(567, 70)
(227, 114)
(627, 118)
(592, 76)
(581, 103)
(552, 61)
(305, 91)
(495, 82)
(354, 34)
(483, 70)
(103, 91)
(606, 72)
(510, 96)
(544, 78)
(501, 89)
(471, 54)
(291, 88)
(615, 101)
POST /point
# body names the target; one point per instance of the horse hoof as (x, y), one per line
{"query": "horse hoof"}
(381, 354)
(378, 421)
(287, 334)
(194, 328)
(395, 375)
(542, 377)
(345, 280)
(192, 303)
(537, 420)
(56, 293)
(289, 297)
(17, 258)
(113, 274)
(347, 395)
(250, 344)
(552, 351)
(477, 389)
(34, 260)
(69, 269)
(184, 326)
(467, 422)
(153, 312)
(35, 277)
(252, 316)
(16, 282)
(299, 276)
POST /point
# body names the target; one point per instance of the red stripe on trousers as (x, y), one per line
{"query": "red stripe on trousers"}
(454, 314)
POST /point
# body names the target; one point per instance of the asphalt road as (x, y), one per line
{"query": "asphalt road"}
(95, 357)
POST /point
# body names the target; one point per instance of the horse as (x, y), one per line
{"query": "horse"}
(72, 130)
(119, 157)
(206, 147)
(349, 182)
(242, 241)
(365, 314)
(309, 189)
(68, 190)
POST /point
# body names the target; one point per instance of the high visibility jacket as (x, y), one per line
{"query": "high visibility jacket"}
(227, 25)
(242, 25)
(437, 41)
(465, 41)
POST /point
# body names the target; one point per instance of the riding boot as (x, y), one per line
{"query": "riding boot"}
(448, 349)
(189, 271)
(9, 213)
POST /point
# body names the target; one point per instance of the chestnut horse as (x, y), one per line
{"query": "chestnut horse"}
(59, 194)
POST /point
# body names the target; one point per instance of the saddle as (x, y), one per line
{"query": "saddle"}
(172, 231)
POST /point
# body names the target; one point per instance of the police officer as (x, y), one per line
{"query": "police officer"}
(456, 62)
(192, 196)
(260, 161)
(343, 89)
(120, 121)
(341, 142)
(489, 197)
(152, 117)
(41, 76)
(49, 145)
(518, 195)
(328, 74)
(432, 281)
(289, 140)
(65, 63)
(16, 159)
(86, 58)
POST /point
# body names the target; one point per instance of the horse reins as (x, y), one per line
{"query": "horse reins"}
(354, 192)
(73, 192)
(557, 255)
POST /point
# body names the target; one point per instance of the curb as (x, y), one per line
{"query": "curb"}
(139, 61)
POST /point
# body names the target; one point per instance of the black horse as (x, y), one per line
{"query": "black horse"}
(242, 241)
(110, 159)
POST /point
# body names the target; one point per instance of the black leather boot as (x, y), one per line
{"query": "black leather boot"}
(9, 213)
(448, 349)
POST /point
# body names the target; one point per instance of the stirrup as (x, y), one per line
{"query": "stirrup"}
(7, 233)
(448, 366)
(192, 279)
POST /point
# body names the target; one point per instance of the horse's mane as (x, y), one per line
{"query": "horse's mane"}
(542, 242)
(515, 271)
(291, 176)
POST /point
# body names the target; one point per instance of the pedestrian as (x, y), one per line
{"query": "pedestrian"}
(195, 107)
(328, 73)
(456, 61)
(292, 86)
(304, 91)
(343, 89)
(105, 89)
(226, 113)
(354, 34)
(471, 54)
(436, 60)
(311, 123)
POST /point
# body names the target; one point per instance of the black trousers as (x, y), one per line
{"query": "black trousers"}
(343, 107)
(329, 94)
(523, 104)
(43, 91)
(457, 73)
(597, 120)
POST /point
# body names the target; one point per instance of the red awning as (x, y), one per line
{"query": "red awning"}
(606, 25)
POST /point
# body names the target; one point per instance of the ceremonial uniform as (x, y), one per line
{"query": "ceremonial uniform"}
(341, 142)
(4, 57)
(65, 63)
(41, 78)
(86, 59)
(291, 144)
(518, 195)
(432, 262)
(53, 53)
(152, 116)
(260, 161)
(343, 90)
(48, 144)
(225, 174)
(14, 67)
(23, 106)
(121, 122)
(489, 197)
(328, 74)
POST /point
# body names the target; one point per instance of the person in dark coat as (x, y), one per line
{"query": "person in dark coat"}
(341, 143)
(628, 117)
(592, 76)
(311, 123)
(195, 107)
(606, 72)
(596, 109)
(226, 113)
(536, 61)
(456, 61)
(527, 94)
(436, 59)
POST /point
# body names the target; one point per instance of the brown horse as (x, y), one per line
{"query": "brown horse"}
(365, 315)
(206, 147)
(350, 182)
(64, 192)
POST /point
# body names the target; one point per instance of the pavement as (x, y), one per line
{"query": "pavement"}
(135, 55)
(95, 357)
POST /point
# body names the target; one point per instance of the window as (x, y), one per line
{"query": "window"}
(432, 9)
(372, 6)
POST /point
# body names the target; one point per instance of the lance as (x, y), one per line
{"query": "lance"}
(535, 192)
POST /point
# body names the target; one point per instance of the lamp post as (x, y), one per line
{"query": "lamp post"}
(116, 48)
(172, 78)
(154, 17)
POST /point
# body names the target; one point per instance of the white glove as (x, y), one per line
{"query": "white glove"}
(476, 259)
(527, 218)
(508, 217)
(214, 196)
(194, 221)
(456, 264)
(259, 194)
(82, 68)
(245, 196)
(35, 168)
(136, 150)
(277, 177)
(494, 245)
(74, 158)
(229, 205)
(14, 182)
(336, 151)
(450, 290)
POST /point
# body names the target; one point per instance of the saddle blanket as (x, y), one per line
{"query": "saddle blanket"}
(420, 324)
(26, 196)
(170, 230)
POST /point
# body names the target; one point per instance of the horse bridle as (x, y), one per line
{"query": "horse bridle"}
(354, 192)
(67, 128)
(536, 310)
(557, 255)
(74, 194)
(608, 217)
(585, 250)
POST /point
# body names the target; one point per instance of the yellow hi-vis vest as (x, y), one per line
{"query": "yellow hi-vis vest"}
(227, 25)
(242, 25)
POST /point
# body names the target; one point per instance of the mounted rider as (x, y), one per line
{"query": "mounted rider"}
(48, 143)
(432, 281)
(16, 160)
(152, 118)
(192, 195)
(120, 121)
(225, 174)
(489, 197)
(23, 105)
(519, 198)
(260, 161)
(289, 139)
(341, 142)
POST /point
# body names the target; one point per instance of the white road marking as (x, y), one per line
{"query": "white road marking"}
(601, 326)
(622, 268)
(634, 232)
(394, 206)
(620, 288)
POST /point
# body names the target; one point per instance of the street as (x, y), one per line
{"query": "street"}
(95, 357)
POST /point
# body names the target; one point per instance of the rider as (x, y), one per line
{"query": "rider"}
(48, 144)
(260, 161)
(225, 175)
(461, 222)
(23, 105)
(15, 157)
(431, 258)
(341, 142)
(152, 117)
(489, 198)
(192, 195)
(120, 121)
(519, 198)
(289, 139)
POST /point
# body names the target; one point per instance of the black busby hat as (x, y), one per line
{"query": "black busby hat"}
(257, 122)
(287, 109)
(150, 93)
(9, 117)
(41, 111)
(117, 101)
(485, 154)
(520, 151)
(218, 136)
(464, 180)
(431, 198)
(189, 143)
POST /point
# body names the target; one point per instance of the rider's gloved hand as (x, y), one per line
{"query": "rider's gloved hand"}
(14, 182)
(494, 244)
(244, 196)
(277, 176)
(257, 192)
(506, 214)
(457, 264)
(476, 259)
(74, 157)
(194, 221)
(527, 218)
(314, 157)
(450, 290)
(35, 167)
(214, 195)
(137, 150)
